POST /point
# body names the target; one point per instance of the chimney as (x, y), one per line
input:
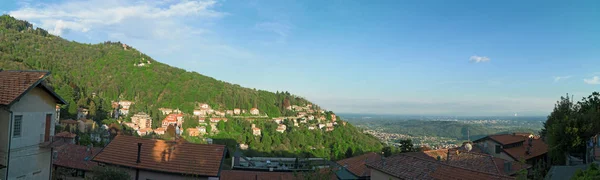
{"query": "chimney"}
(138, 154)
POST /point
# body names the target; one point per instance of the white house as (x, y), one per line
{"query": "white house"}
(254, 111)
(27, 113)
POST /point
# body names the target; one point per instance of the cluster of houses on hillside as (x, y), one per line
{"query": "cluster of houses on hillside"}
(141, 122)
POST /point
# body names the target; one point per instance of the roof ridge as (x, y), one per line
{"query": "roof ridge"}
(469, 169)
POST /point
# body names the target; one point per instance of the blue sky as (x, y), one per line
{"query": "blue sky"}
(393, 57)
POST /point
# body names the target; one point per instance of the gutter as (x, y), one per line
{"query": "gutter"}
(10, 121)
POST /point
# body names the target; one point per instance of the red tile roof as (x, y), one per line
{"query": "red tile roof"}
(539, 146)
(65, 134)
(520, 152)
(68, 121)
(74, 156)
(460, 158)
(356, 164)
(471, 160)
(412, 167)
(505, 139)
(164, 156)
(14, 84)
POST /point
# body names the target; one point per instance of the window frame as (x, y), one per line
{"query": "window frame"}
(17, 132)
(498, 149)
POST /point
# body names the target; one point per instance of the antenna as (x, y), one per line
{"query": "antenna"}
(468, 135)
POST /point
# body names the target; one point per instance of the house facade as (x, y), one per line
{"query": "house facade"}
(27, 120)
(254, 111)
(514, 147)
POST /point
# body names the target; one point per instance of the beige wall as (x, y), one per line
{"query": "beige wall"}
(27, 160)
(378, 175)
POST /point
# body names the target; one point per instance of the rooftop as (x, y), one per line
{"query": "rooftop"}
(14, 84)
(76, 157)
(356, 165)
(164, 156)
(406, 166)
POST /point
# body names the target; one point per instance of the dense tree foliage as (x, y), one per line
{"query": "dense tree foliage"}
(108, 70)
(570, 126)
(592, 172)
(294, 142)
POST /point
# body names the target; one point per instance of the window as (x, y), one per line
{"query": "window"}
(498, 149)
(17, 126)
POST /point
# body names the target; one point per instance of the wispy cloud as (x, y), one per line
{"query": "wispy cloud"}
(593, 80)
(478, 59)
(559, 78)
(281, 29)
(152, 18)
(173, 32)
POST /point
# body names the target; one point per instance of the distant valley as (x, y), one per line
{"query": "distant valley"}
(441, 131)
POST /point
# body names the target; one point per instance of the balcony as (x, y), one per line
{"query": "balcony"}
(47, 143)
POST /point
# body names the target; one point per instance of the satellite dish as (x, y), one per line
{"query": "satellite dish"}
(468, 147)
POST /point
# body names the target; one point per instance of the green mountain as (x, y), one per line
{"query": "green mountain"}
(93, 75)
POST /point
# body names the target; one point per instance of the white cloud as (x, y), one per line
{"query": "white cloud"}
(478, 59)
(151, 17)
(594, 80)
(282, 29)
(559, 78)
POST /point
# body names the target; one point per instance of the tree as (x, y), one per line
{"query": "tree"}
(221, 125)
(570, 126)
(349, 153)
(109, 173)
(406, 145)
(85, 139)
(387, 151)
(592, 172)
(170, 131)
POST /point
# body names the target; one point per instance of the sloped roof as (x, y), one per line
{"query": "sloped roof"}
(505, 139)
(356, 164)
(471, 160)
(460, 158)
(411, 167)
(164, 156)
(74, 156)
(520, 152)
(65, 134)
(15, 84)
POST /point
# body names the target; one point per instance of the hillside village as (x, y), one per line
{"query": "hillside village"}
(501, 156)
(307, 117)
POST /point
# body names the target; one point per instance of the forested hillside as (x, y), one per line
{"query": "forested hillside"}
(92, 75)
(109, 71)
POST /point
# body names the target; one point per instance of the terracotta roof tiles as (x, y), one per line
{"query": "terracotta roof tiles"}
(76, 157)
(13, 84)
(164, 156)
(406, 166)
(356, 164)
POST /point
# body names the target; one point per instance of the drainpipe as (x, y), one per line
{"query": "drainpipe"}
(50, 174)
(9, 141)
